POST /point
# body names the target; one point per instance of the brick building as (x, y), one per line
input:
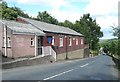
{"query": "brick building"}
(26, 37)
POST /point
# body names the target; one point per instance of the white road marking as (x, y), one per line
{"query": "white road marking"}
(69, 70)
(84, 65)
(93, 61)
(58, 74)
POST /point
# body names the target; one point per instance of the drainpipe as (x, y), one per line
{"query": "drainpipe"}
(5, 37)
(35, 45)
(66, 48)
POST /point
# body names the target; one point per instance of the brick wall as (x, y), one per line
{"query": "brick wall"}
(21, 20)
(21, 45)
(63, 49)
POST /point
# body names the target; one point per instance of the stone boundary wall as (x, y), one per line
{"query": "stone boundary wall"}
(77, 54)
(28, 62)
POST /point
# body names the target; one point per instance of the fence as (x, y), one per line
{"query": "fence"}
(47, 50)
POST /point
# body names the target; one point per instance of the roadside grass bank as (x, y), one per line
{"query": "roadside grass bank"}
(117, 62)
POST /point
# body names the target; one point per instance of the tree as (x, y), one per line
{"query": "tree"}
(45, 17)
(67, 23)
(11, 13)
(20, 12)
(116, 32)
(7, 13)
(90, 29)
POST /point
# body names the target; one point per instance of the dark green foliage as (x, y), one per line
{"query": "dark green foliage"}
(88, 27)
(110, 46)
(20, 12)
(68, 24)
(116, 32)
(45, 17)
(7, 12)
(11, 13)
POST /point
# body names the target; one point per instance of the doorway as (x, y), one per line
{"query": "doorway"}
(39, 46)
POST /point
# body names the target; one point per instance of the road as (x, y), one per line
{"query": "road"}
(97, 68)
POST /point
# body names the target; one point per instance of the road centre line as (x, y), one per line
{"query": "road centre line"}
(58, 74)
(64, 72)
(67, 71)
(84, 65)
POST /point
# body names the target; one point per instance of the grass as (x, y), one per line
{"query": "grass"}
(94, 52)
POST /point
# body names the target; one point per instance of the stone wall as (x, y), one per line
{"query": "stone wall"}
(86, 52)
(71, 55)
(28, 62)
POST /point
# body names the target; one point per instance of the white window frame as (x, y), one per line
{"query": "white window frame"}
(9, 42)
(61, 41)
(32, 41)
(81, 40)
(76, 40)
(4, 42)
(70, 41)
(53, 40)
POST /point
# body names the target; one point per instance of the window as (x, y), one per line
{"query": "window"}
(76, 40)
(53, 40)
(32, 42)
(61, 41)
(81, 41)
(70, 39)
(9, 42)
(4, 42)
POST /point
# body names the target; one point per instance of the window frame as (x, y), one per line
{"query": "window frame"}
(32, 42)
(82, 41)
(4, 42)
(8, 42)
(60, 41)
(53, 40)
(70, 41)
(76, 40)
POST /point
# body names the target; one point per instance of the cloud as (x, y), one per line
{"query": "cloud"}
(65, 15)
(107, 21)
(101, 7)
(108, 36)
(40, 2)
(104, 11)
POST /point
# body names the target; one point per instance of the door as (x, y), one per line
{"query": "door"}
(39, 46)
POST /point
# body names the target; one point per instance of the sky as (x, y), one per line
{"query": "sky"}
(104, 11)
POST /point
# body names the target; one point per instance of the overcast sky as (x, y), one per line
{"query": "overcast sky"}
(104, 11)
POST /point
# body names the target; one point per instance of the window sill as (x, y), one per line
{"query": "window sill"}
(61, 46)
(32, 46)
(7, 47)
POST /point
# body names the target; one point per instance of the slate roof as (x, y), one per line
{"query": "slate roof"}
(51, 28)
(22, 28)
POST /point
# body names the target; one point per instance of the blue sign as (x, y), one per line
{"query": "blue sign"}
(49, 39)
